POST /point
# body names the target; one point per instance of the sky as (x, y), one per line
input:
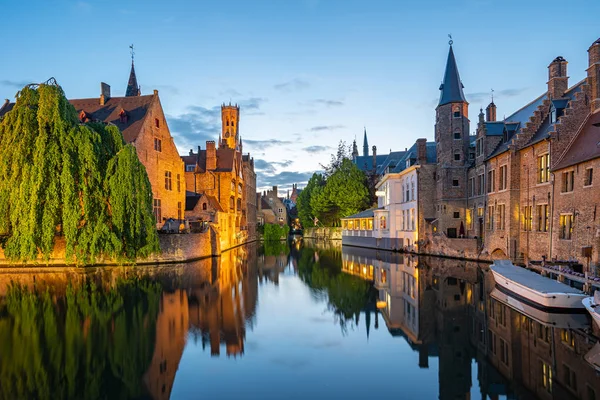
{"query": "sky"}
(307, 74)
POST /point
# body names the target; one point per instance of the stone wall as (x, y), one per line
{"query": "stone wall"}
(323, 233)
(440, 245)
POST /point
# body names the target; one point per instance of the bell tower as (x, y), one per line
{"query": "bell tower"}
(230, 118)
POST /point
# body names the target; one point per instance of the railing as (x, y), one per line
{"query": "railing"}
(357, 232)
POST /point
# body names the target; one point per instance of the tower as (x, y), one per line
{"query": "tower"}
(365, 145)
(354, 150)
(230, 118)
(452, 138)
(133, 88)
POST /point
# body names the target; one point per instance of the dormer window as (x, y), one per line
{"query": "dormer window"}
(123, 116)
(505, 136)
(553, 116)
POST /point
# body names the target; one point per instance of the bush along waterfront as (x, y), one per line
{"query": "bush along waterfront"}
(274, 232)
(59, 176)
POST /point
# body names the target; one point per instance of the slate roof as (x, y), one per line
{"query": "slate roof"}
(495, 128)
(135, 108)
(225, 160)
(133, 89)
(363, 214)
(366, 163)
(391, 161)
(6, 107)
(451, 87)
(585, 146)
(412, 154)
(192, 199)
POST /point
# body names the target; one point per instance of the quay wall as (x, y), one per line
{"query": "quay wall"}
(327, 233)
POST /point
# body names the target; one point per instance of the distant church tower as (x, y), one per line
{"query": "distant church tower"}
(452, 138)
(365, 145)
(230, 118)
(133, 88)
(354, 150)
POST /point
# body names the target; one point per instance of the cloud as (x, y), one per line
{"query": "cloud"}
(172, 90)
(283, 179)
(270, 167)
(327, 103)
(196, 126)
(293, 85)
(230, 93)
(316, 149)
(320, 128)
(15, 84)
(480, 97)
(265, 143)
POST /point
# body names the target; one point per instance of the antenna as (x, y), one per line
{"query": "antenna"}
(132, 52)
(450, 41)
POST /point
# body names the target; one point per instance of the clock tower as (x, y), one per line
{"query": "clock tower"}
(230, 118)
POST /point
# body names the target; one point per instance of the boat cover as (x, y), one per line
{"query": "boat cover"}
(531, 279)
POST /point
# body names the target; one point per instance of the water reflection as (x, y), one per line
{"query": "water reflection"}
(155, 332)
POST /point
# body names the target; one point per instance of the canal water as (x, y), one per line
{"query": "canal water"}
(300, 321)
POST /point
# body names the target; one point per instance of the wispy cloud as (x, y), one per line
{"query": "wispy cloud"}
(270, 167)
(196, 126)
(316, 149)
(320, 128)
(166, 88)
(283, 180)
(292, 85)
(479, 97)
(230, 93)
(252, 105)
(327, 103)
(265, 143)
(15, 84)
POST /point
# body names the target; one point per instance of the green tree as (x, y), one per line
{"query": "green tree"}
(58, 176)
(344, 152)
(305, 212)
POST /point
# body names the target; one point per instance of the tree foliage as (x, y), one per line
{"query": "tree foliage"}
(274, 232)
(61, 177)
(344, 152)
(343, 193)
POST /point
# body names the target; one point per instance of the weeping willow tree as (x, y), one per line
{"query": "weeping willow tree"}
(61, 177)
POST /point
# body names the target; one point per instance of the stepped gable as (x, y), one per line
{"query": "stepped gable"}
(135, 109)
(585, 146)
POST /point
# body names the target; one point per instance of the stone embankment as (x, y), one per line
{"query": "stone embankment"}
(326, 233)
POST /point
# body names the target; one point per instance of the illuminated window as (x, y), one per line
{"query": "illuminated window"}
(543, 164)
(547, 377)
(543, 217)
(382, 222)
(469, 218)
(527, 218)
(370, 225)
(501, 217)
(566, 226)
(567, 337)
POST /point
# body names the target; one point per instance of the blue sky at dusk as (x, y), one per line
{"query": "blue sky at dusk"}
(307, 73)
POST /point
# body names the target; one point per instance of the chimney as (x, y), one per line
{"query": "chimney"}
(593, 73)
(104, 93)
(191, 152)
(558, 81)
(155, 92)
(374, 159)
(258, 201)
(490, 112)
(275, 191)
(211, 155)
(421, 151)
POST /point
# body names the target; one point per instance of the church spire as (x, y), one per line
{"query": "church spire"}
(451, 89)
(365, 145)
(354, 150)
(132, 86)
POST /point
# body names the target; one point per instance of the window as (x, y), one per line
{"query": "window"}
(491, 181)
(156, 210)
(456, 156)
(232, 123)
(204, 206)
(503, 351)
(478, 147)
(156, 123)
(490, 218)
(503, 176)
(456, 214)
(469, 218)
(239, 188)
(233, 186)
(542, 213)
(480, 183)
(570, 378)
(457, 135)
(543, 163)
(553, 116)
(567, 181)
(412, 191)
(407, 198)
(123, 116)
(566, 226)
(179, 210)
(567, 337)
(227, 123)
(480, 212)
(472, 186)
(455, 182)
(589, 177)
(501, 216)
(456, 114)
(527, 218)
(239, 205)
(179, 183)
(231, 203)
(547, 377)
(190, 168)
(157, 144)
(280, 210)
(382, 222)
(492, 341)
(168, 183)
(412, 218)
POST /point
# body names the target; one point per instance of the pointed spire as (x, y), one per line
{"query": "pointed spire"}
(132, 86)
(354, 150)
(451, 89)
(365, 145)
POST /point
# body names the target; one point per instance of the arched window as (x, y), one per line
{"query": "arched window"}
(232, 123)
(227, 123)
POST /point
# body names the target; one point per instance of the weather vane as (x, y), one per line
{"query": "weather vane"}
(492, 95)
(132, 52)
(450, 41)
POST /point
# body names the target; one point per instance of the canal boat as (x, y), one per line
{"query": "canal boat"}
(544, 317)
(592, 304)
(536, 290)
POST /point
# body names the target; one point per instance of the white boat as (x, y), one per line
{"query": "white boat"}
(544, 317)
(592, 304)
(536, 289)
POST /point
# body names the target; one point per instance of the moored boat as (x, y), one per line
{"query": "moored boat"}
(535, 289)
(592, 304)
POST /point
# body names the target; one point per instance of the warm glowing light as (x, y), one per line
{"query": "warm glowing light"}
(364, 270)
(381, 304)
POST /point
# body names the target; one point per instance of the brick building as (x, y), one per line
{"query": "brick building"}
(227, 175)
(142, 121)
(271, 202)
